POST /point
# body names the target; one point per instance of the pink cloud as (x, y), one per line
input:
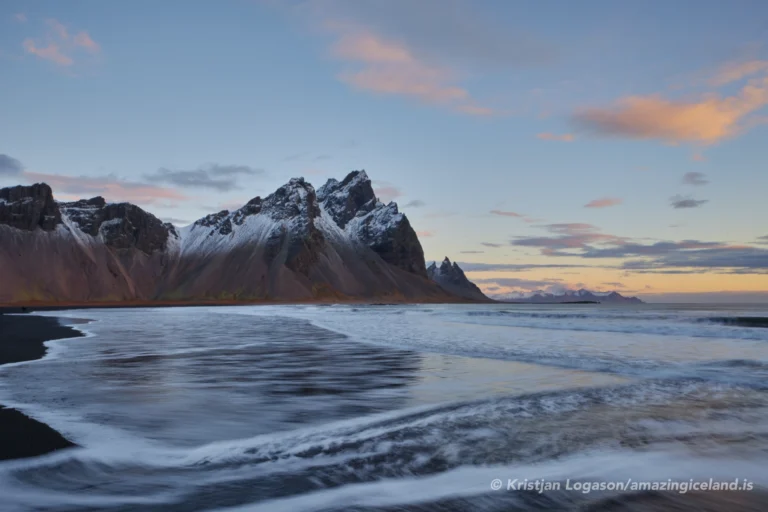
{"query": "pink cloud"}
(20, 17)
(604, 202)
(387, 193)
(59, 45)
(706, 120)
(565, 137)
(698, 157)
(52, 52)
(735, 71)
(83, 40)
(424, 234)
(111, 187)
(386, 66)
(507, 214)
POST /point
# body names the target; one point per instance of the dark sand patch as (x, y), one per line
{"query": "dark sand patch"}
(22, 338)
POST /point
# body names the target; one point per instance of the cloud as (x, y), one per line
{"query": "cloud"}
(615, 284)
(489, 244)
(512, 267)
(59, 46)
(565, 137)
(423, 234)
(387, 66)
(459, 33)
(695, 178)
(472, 252)
(605, 202)
(212, 176)
(679, 202)
(628, 249)
(323, 157)
(416, 203)
(386, 192)
(733, 72)
(507, 213)
(111, 187)
(9, 166)
(706, 120)
(568, 236)
(20, 17)
(736, 259)
(762, 239)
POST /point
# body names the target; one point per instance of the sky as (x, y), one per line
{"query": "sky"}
(542, 145)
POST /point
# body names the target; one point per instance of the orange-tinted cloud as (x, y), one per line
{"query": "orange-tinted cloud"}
(565, 137)
(390, 67)
(111, 187)
(604, 202)
(60, 46)
(733, 72)
(707, 120)
(424, 234)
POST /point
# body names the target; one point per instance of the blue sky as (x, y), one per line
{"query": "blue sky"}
(530, 110)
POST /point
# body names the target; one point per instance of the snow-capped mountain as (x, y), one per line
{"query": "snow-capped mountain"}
(295, 244)
(451, 278)
(582, 295)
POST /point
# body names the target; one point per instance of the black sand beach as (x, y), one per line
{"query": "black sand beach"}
(21, 339)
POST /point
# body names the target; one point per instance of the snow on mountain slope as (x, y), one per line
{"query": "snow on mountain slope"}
(295, 244)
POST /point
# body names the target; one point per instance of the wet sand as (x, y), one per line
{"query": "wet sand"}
(22, 339)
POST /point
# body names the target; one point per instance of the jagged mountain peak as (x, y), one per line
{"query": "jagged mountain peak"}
(29, 207)
(348, 198)
(119, 225)
(451, 277)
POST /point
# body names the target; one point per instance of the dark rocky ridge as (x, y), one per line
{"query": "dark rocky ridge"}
(120, 225)
(29, 208)
(296, 244)
(451, 278)
(381, 227)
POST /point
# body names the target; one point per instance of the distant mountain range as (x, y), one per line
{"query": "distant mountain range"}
(338, 242)
(541, 297)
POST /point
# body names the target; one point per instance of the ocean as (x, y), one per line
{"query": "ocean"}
(402, 407)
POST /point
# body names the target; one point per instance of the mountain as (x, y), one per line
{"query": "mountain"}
(451, 278)
(582, 295)
(339, 242)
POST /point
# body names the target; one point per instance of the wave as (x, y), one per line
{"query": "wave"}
(421, 455)
(739, 321)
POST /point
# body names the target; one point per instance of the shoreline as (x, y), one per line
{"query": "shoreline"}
(23, 338)
(23, 307)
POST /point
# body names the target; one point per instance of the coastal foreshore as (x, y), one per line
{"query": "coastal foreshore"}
(22, 338)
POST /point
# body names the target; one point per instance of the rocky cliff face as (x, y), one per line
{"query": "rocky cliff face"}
(80, 251)
(29, 208)
(354, 207)
(120, 226)
(295, 244)
(451, 278)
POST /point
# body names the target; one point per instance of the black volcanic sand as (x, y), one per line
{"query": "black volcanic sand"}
(21, 339)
